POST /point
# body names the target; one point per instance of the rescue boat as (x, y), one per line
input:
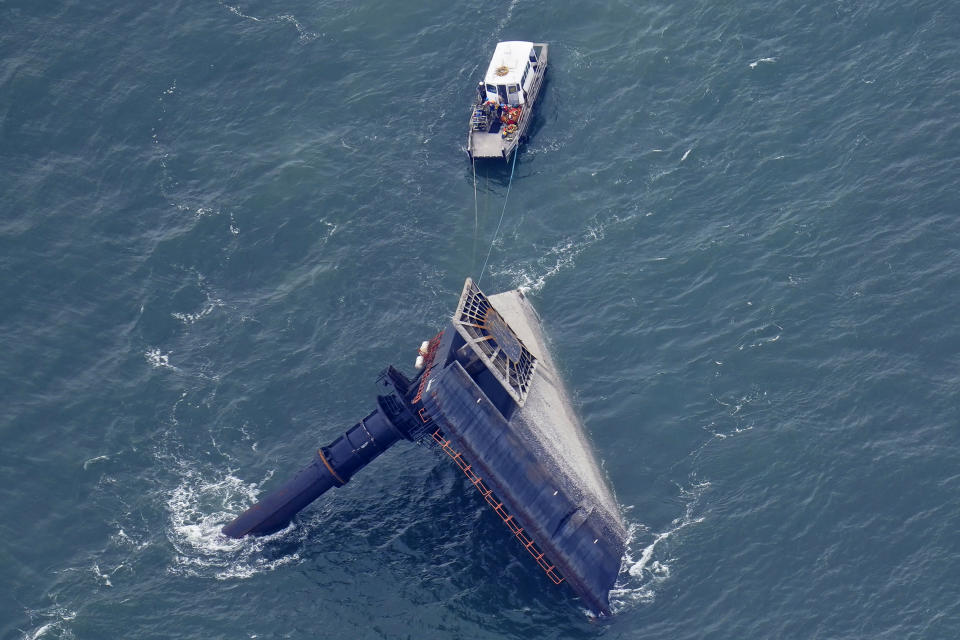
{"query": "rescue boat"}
(503, 106)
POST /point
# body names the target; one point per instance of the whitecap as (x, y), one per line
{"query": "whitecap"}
(304, 34)
(101, 576)
(158, 359)
(753, 65)
(60, 616)
(209, 306)
(91, 461)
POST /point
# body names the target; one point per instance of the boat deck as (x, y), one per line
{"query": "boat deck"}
(487, 145)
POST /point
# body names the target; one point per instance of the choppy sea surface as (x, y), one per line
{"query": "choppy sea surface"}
(219, 220)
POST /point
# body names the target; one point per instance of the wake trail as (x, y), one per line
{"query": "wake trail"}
(645, 568)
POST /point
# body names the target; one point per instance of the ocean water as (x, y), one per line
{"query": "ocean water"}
(219, 220)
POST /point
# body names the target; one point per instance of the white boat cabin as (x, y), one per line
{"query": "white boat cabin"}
(511, 72)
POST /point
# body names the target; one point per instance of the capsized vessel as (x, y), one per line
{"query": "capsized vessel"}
(501, 114)
(489, 395)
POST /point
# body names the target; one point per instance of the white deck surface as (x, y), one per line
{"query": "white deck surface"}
(487, 145)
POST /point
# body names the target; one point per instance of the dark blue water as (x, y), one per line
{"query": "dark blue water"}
(220, 220)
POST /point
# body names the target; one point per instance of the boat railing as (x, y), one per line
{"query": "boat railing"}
(534, 92)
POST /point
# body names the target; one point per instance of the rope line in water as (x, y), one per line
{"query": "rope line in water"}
(476, 214)
(502, 211)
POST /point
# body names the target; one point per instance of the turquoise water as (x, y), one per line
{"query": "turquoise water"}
(220, 220)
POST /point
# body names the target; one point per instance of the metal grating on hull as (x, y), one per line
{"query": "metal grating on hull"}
(492, 340)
